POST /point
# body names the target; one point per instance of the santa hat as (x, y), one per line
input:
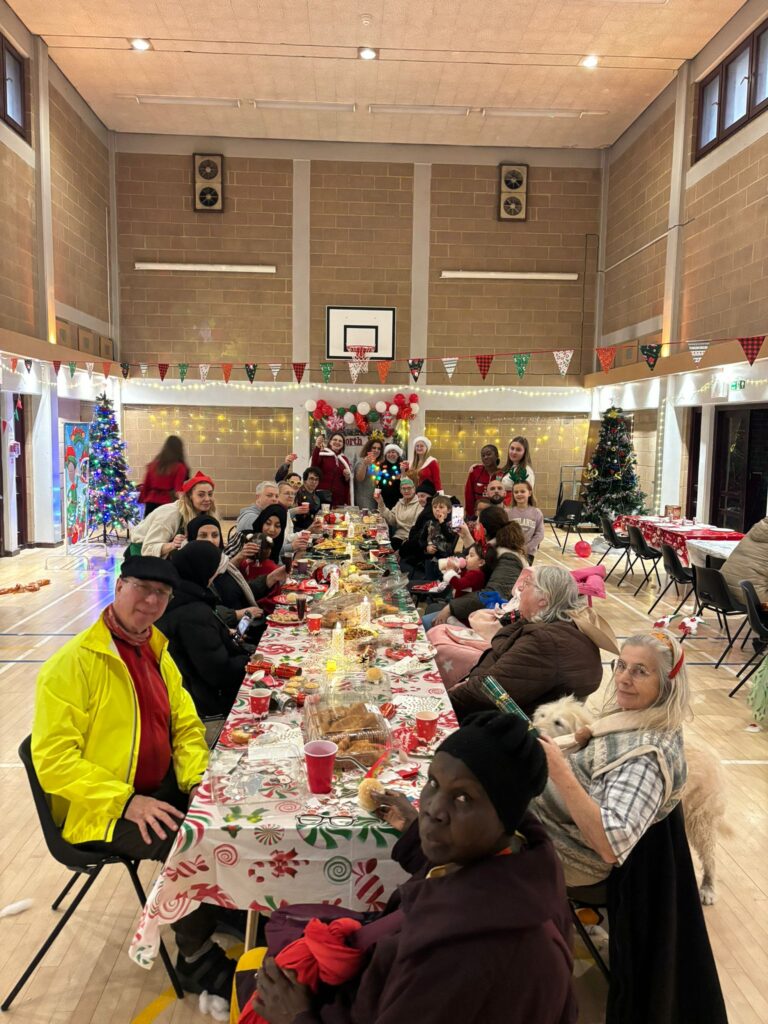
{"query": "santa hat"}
(198, 478)
(393, 448)
(426, 441)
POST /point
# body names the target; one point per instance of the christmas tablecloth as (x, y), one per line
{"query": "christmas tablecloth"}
(294, 847)
(658, 531)
(700, 550)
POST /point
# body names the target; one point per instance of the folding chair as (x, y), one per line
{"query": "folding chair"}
(712, 592)
(615, 541)
(759, 624)
(643, 553)
(567, 517)
(678, 574)
(593, 897)
(80, 862)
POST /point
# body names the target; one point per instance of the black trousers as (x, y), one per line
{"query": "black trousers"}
(196, 928)
(150, 507)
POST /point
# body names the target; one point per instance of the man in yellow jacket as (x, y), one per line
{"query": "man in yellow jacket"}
(118, 747)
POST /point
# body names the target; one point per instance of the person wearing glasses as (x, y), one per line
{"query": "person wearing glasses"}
(118, 747)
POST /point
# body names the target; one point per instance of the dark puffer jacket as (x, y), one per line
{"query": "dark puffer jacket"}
(535, 662)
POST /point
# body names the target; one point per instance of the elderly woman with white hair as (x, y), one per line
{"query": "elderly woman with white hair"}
(627, 770)
(549, 649)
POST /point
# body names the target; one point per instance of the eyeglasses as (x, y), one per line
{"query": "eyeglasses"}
(635, 672)
(315, 820)
(149, 592)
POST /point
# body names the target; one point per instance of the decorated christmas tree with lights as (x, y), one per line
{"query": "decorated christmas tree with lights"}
(113, 503)
(612, 487)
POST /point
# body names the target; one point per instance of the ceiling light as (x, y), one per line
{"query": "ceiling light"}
(590, 61)
(187, 101)
(210, 268)
(415, 108)
(349, 108)
(367, 53)
(140, 44)
(507, 275)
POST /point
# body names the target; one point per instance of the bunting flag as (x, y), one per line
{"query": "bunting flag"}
(751, 347)
(298, 371)
(56, 367)
(72, 368)
(521, 363)
(483, 365)
(183, 368)
(250, 371)
(204, 368)
(325, 369)
(383, 366)
(697, 350)
(125, 369)
(143, 367)
(14, 363)
(275, 369)
(5, 425)
(162, 369)
(28, 365)
(563, 359)
(226, 370)
(606, 356)
(89, 370)
(449, 365)
(106, 369)
(415, 365)
(355, 368)
(651, 355)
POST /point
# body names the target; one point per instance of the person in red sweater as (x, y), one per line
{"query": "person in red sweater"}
(465, 575)
(164, 476)
(480, 475)
(335, 468)
(424, 466)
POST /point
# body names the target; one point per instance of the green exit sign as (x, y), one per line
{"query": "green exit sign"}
(738, 385)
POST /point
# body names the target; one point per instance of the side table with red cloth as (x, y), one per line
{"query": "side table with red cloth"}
(658, 531)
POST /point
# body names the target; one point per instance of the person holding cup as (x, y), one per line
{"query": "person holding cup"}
(334, 466)
(402, 516)
(367, 470)
(486, 901)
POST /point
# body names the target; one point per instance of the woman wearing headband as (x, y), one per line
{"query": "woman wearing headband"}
(604, 794)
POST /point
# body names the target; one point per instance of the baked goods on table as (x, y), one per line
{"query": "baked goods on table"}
(358, 730)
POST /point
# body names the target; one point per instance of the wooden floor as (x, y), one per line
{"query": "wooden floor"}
(87, 976)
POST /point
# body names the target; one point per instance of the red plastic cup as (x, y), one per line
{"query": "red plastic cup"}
(410, 634)
(320, 756)
(314, 622)
(426, 725)
(259, 700)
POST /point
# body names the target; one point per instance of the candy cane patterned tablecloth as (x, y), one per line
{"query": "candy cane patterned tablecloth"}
(296, 848)
(658, 531)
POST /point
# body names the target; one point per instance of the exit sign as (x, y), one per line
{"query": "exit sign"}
(738, 385)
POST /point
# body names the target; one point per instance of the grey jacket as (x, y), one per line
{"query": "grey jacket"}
(502, 579)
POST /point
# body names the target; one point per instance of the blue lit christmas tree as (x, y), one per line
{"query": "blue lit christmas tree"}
(113, 503)
(612, 486)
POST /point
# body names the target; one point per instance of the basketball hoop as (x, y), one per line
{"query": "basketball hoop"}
(359, 362)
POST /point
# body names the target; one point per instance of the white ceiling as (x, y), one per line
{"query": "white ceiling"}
(471, 53)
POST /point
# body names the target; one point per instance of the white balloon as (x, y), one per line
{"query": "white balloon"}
(310, 405)
(381, 407)
(415, 408)
(363, 408)
(349, 417)
(393, 409)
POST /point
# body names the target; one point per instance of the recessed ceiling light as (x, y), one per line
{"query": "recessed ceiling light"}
(590, 61)
(140, 44)
(339, 108)
(186, 101)
(367, 53)
(417, 108)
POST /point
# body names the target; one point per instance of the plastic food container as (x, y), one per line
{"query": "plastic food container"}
(356, 726)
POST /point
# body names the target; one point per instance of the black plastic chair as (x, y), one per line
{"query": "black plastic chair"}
(678, 575)
(567, 517)
(712, 592)
(593, 897)
(80, 862)
(643, 553)
(759, 624)
(611, 537)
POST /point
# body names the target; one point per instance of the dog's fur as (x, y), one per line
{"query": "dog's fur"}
(703, 796)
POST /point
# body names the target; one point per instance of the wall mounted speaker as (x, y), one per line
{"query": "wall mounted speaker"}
(208, 181)
(513, 189)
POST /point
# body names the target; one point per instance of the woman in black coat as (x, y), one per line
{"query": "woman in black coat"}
(211, 663)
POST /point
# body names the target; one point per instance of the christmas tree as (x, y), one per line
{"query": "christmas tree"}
(612, 487)
(112, 500)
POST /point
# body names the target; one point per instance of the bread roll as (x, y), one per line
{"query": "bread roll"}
(368, 794)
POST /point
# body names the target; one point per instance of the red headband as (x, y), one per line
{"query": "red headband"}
(663, 638)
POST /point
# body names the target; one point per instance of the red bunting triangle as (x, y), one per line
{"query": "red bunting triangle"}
(162, 369)
(226, 369)
(606, 356)
(106, 367)
(14, 363)
(5, 425)
(56, 366)
(298, 371)
(383, 367)
(751, 347)
(483, 365)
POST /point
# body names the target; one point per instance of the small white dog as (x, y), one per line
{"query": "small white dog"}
(703, 797)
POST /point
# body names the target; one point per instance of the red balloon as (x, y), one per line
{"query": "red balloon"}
(583, 549)
(399, 399)
(318, 413)
(413, 399)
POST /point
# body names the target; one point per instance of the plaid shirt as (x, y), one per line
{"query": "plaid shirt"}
(629, 798)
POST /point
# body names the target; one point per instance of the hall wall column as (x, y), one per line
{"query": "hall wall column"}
(10, 523)
(706, 463)
(669, 452)
(44, 463)
(422, 184)
(670, 326)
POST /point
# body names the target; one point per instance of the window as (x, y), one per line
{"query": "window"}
(13, 102)
(734, 92)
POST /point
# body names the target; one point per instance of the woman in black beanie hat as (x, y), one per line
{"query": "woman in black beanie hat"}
(211, 663)
(481, 932)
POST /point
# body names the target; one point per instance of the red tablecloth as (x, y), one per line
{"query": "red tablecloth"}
(658, 531)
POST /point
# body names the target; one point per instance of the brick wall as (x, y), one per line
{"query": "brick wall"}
(236, 447)
(725, 247)
(167, 316)
(645, 423)
(360, 249)
(638, 211)
(79, 205)
(18, 251)
(560, 234)
(555, 441)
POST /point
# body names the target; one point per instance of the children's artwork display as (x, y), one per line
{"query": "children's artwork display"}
(76, 475)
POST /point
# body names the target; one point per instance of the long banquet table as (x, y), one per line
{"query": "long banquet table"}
(658, 530)
(293, 847)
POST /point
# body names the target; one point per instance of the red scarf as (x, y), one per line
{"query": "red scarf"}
(117, 629)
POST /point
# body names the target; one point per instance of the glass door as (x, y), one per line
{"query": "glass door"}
(730, 476)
